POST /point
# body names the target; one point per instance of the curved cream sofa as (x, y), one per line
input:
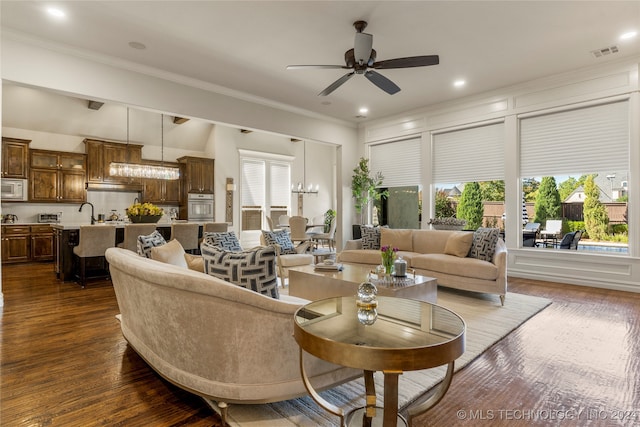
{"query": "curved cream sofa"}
(222, 342)
(424, 251)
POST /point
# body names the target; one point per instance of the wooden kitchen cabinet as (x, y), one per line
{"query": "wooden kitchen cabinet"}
(100, 154)
(161, 191)
(23, 243)
(16, 243)
(197, 175)
(57, 177)
(15, 158)
(41, 243)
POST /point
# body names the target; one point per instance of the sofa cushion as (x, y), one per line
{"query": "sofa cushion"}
(145, 243)
(194, 262)
(449, 264)
(459, 243)
(430, 241)
(280, 238)
(484, 243)
(169, 253)
(295, 260)
(361, 256)
(397, 238)
(253, 269)
(370, 237)
(225, 240)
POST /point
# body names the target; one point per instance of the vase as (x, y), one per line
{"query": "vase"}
(146, 219)
(388, 265)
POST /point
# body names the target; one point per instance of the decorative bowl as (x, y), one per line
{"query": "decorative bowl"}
(147, 219)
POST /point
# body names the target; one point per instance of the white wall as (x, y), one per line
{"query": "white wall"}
(610, 81)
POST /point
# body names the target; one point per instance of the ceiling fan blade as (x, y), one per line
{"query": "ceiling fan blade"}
(362, 47)
(382, 82)
(409, 62)
(335, 85)
(316, 67)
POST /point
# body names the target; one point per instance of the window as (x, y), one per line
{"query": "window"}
(265, 190)
(584, 154)
(470, 161)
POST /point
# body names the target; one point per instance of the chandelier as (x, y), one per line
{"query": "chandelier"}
(300, 188)
(136, 170)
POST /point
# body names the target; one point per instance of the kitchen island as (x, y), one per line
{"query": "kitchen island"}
(66, 236)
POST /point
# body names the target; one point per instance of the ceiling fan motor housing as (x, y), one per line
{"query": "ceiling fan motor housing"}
(350, 61)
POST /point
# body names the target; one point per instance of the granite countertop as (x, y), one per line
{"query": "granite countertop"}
(117, 224)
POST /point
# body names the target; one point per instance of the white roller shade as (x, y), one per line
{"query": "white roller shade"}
(398, 161)
(253, 177)
(467, 155)
(578, 141)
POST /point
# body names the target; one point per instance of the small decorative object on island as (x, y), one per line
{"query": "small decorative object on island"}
(448, 223)
(367, 303)
(144, 212)
(400, 267)
(388, 257)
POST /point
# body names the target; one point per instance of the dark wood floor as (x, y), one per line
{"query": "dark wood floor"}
(65, 363)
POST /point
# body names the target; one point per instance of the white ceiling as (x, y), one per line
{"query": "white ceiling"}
(245, 46)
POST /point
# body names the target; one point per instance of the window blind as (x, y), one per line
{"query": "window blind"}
(280, 184)
(399, 162)
(467, 155)
(584, 140)
(253, 178)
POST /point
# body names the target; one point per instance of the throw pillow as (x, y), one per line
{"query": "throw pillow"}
(226, 240)
(370, 237)
(254, 269)
(281, 238)
(484, 243)
(170, 253)
(145, 243)
(194, 262)
(459, 243)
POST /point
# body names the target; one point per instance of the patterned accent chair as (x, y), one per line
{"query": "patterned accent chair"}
(295, 257)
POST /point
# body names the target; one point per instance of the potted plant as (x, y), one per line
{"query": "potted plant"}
(329, 215)
(364, 187)
(448, 223)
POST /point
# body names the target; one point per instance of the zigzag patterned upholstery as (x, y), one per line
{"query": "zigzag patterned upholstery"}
(254, 269)
(484, 243)
(227, 240)
(145, 243)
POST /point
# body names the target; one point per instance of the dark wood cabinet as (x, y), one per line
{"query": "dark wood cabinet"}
(15, 158)
(161, 191)
(23, 243)
(41, 243)
(16, 243)
(57, 177)
(198, 173)
(100, 155)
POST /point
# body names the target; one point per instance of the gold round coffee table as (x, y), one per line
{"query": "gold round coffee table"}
(401, 335)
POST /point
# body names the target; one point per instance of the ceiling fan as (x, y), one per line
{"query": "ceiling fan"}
(362, 58)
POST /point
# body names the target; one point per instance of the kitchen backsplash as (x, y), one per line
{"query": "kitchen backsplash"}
(103, 201)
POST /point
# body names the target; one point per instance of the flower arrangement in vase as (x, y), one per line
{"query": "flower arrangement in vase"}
(388, 257)
(144, 212)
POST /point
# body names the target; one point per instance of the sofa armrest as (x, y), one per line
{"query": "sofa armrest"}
(352, 244)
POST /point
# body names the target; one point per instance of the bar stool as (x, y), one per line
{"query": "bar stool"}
(215, 227)
(131, 233)
(94, 240)
(187, 235)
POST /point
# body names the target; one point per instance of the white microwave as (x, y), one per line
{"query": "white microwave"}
(14, 189)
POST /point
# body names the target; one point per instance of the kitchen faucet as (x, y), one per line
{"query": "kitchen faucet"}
(135, 200)
(93, 220)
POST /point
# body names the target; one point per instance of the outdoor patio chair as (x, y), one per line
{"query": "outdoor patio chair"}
(552, 232)
(570, 240)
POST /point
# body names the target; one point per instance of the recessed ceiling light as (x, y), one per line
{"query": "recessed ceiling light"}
(363, 110)
(57, 13)
(137, 45)
(459, 83)
(628, 35)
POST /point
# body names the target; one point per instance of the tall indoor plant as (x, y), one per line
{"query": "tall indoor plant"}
(364, 187)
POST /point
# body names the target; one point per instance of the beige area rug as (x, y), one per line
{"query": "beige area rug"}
(487, 322)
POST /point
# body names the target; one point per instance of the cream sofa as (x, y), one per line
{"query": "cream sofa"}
(220, 341)
(424, 251)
